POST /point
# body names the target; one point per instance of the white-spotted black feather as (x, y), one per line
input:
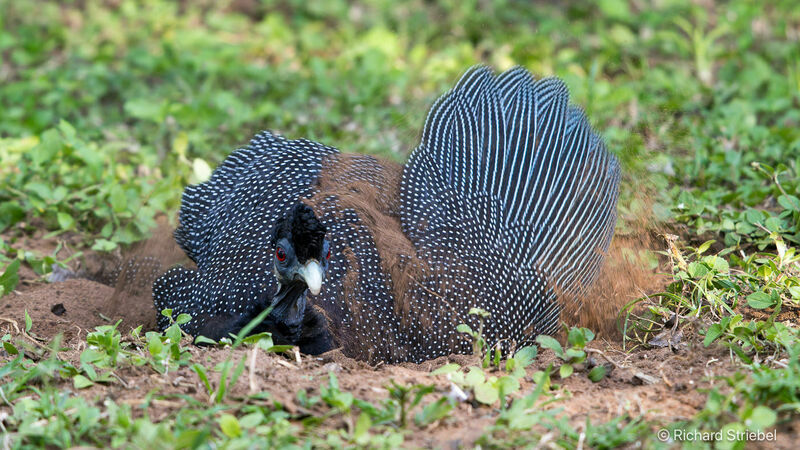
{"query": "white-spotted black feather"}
(508, 203)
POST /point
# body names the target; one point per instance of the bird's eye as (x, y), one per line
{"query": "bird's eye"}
(280, 254)
(328, 256)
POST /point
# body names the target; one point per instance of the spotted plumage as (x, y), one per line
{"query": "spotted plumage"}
(507, 204)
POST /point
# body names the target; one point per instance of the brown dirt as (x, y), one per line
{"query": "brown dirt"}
(74, 307)
(88, 304)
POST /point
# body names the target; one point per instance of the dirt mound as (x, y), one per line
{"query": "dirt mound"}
(99, 288)
(74, 305)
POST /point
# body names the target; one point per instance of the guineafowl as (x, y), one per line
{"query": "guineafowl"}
(508, 204)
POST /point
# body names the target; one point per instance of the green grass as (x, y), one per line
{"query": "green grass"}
(108, 109)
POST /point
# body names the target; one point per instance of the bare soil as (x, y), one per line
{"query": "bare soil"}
(662, 384)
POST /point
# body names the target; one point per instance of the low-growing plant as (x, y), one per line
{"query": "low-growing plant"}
(479, 345)
(105, 120)
(334, 397)
(407, 398)
(575, 354)
(486, 388)
(165, 350)
(711, 290)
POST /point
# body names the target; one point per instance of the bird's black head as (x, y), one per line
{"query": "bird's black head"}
(300, 256)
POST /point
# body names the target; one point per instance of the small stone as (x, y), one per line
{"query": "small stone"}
(640, 378)
(332, 367)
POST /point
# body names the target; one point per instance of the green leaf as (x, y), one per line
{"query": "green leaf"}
(760, 300)
(716, 263)
(433, 412)
(184, 439)
(474, 377)
(10, 214)
(526, 355)
(117, 198)
(548, 342)
(512, 365)
(704, 246)
(507, 385)
(479, 312)
(464, 328)
(183, 318)
(589, 334)
(789, 202)
(28, 322)
(576, 338)
(574, 355)
(712, 333)
(10, 277)
(447, 368)
(752, 216)
(762, 417)
(81, 382)
(65, 221)
(251, 420)
(741, 353)
(279, 348)
(201, 373)
(173, 333)
(615, 9)
(230, 426)
(145, 108)
(542, 377)
(104, 245)
(361, 430)
(155, 346)
(773, 224)
(486, 393)
(743, 332)
(697, 269)
(566, 370)
(729, 432)
(47, 149)
(263, 340)
(10, 348)
(597, 373)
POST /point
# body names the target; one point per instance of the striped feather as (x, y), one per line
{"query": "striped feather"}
(505, 166)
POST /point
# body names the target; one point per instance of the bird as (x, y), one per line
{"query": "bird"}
(507, 205)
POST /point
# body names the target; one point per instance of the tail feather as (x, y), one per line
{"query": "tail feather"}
(510, 148)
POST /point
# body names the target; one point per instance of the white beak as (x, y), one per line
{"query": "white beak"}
(312, 274)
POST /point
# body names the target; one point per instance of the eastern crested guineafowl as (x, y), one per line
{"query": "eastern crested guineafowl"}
(508, 204)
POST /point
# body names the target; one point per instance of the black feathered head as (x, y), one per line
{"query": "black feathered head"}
(301, 255)
(304, 232)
